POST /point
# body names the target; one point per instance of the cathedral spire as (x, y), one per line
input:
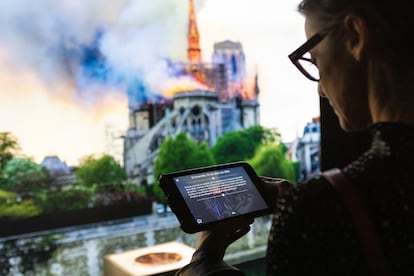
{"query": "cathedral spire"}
(193, 51)
(256, 86)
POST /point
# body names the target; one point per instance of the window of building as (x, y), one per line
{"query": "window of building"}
(113, 88)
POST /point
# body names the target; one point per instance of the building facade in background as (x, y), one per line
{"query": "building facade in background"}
(61, 175)
(306, 150)
(208, 100)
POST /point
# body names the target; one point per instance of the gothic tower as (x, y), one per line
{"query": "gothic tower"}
(193, 51)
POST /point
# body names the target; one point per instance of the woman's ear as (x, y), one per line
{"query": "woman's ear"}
(356, 33)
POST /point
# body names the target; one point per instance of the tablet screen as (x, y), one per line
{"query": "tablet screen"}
(219, 194)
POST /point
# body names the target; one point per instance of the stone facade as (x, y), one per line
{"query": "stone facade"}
(222, 99)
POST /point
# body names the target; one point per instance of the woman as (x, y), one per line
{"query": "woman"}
(363, 52)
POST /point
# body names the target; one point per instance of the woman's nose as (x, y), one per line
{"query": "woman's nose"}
(320, 91)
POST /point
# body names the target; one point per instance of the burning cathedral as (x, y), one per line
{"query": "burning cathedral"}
(216, 98)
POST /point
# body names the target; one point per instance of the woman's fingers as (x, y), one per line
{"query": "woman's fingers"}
(237, 235)
(223, 234)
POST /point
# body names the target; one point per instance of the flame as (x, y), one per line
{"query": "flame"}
(180, 84)
(245, 89)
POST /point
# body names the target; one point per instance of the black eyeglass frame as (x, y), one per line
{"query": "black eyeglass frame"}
(297, 55)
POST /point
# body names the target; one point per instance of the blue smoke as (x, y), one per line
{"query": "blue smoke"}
(95, 71)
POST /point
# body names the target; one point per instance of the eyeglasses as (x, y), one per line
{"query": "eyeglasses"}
(302, 59)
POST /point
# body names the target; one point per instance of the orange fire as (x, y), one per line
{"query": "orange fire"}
(249, 89)
(184, 83)
(246, 89)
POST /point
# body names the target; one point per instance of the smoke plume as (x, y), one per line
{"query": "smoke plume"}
(94, 46)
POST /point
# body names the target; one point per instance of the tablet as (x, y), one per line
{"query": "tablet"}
(202, 197)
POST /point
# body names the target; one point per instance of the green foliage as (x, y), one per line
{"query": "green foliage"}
(242, 145)
(177, 154)
(8, 147)
(106, 176)
(6, 196)
(270, 161)
(231, 147)
(24, 176)
(264, 135)
(117, 193)
(12, 207)
(139, 189)
(296, 169)
(77, 197)
(100, 171)
(181, 153)
(261, 146)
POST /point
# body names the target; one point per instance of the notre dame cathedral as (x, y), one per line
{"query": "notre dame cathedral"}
(217, 98)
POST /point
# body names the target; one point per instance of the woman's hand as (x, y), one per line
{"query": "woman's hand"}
(215, 241)
(275, 188)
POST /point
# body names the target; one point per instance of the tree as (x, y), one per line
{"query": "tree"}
(8, 148)
(231, 147)
(241, 145)
(74, 198)
(100, 171)
(106, 178)
(12, 207)
(270, 160)
(180, 153)
(25, 177)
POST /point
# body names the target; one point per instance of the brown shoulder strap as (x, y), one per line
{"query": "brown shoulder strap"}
(365, 228)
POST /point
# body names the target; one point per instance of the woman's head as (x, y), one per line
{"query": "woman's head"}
(365, 59)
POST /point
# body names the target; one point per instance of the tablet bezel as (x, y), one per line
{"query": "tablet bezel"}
(180, 208)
